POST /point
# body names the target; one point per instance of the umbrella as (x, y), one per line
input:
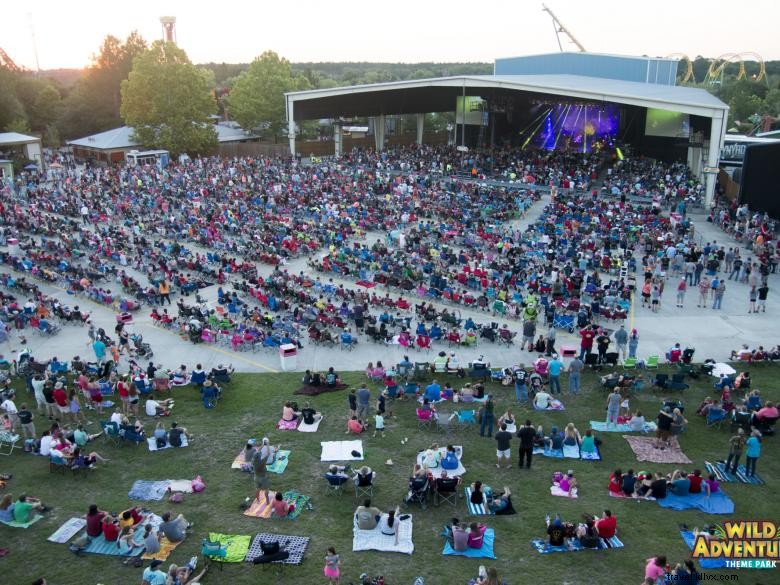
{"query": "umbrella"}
(31, 167)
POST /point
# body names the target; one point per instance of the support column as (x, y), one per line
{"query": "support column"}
(420, 128)
(291, 126)
(379, 133)
(337, 139)
(717, 131)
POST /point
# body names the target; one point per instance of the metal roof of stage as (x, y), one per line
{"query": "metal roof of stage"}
(439, 95)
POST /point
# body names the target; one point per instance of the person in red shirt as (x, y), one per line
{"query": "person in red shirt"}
(606, 525)
(95, 521)
(110, 529)
(695, 479)
(587, 335)
(769, 411)
(61, 398)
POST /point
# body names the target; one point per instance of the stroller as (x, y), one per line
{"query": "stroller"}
(418, 492)
(142, 349)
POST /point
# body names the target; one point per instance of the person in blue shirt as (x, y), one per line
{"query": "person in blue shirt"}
(554, 368)
(752, 453)
(433, 392)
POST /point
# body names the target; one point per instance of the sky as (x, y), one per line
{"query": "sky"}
(67, 34)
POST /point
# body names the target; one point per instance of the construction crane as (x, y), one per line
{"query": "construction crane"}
(560, 28)
(7, 62)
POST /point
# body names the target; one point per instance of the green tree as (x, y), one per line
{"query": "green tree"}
(257, 96)
(11, 109)
(168, 101)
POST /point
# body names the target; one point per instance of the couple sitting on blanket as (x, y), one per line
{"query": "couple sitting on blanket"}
(462, 536)
(114, 528)
(433, 458)
(22, 511)
(172, 437)
(560, 533)
(369, 518)
(565, 483)
(498, 503)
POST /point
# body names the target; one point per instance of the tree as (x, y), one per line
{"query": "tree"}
(11, 108)
(257, 96)
(168, 101)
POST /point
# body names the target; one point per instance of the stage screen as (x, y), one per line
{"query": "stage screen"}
(667, 124)
(578, 127)
(476, 111)
(760, 179)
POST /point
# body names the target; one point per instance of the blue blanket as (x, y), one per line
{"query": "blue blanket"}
(690, 540)
(717, 503)
(148, 490)
(100, 546)
(568, 452)
(474, 553)
(719, 469)
(542, 547)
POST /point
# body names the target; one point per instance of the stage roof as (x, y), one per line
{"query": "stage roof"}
(439, 95)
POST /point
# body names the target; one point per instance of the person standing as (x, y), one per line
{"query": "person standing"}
(550, 342)
(587, 335)
(736, 446)
(752, 453)
(521, 389)
(164, 291)
(621, 341)
(488, 417)
(575, 368)
(633, 343)
(718, 293)
(698, 269)
(526, 434)
(554, 368)
(503, 451)
(753, 297)
(613, 406)
(704, 291)
(763, 291)
(735, 267)
(682, 288)
(332, 568)
(363, 400)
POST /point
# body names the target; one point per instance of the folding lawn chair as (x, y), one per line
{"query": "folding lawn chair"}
(715, 417)
(335, 484)
(111, 432)
(364, 486)
(446, 490)
(652, 362)
(8, 442)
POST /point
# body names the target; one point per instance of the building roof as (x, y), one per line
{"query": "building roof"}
(120, 138)
(439, 95)
(14, 138)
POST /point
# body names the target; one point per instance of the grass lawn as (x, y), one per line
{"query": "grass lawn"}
(251, 407)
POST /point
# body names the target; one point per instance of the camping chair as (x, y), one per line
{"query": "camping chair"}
(8, 442)
(629, 363)
(335, 483)
(210, 396)
(742, 420)
(198, 378)
(652, 362)
(421, 370)
(129, 434)
(142, 386)
(446, 490)
(611, 358)
(418, 492)
(678, 382)
(213, 551)
(57, 464)
(715, 417)
(364, 485)
(111, 432)
(424, 419)
(661, 381)
(466, 419)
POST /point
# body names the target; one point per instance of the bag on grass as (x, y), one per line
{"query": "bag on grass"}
(176, 498)
(198, 485)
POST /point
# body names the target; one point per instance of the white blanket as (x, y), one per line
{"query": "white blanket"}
(436, 471)
(152, 442)
(375, 540)
(312, 428)
(341, 450)
(721, 368)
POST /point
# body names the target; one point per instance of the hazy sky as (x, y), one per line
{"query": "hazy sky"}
(68, 33)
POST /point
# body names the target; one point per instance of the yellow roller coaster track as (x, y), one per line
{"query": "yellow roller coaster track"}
(689, 70)
(718, 65)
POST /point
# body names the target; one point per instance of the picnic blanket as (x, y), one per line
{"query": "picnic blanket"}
(15, 524)
(341, 450)
(542, 547)
(555, 490)
(475, 553)
(152, 443)
(68, 530)
(146, 490)
(600, 425)
(719, 469)
(307, 390)
(98, 545)
(436, 471)
(622, 495)
(180, 485)
(294, 545)
(237, 546)
(568, 452)
(722, 368)
(645, 450)
(717, 503)
(690, 540)
(312, 428)
(287, 425)
(375, 540)
(476, 509)
(259, 509)
(166, 548)
(278, 466)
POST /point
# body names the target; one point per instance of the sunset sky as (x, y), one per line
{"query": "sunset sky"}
(68, 33)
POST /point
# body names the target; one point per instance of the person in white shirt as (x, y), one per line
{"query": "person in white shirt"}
(10, 409)
(542, 400)
(119, 419)
(46, 442)
(158, 407)
(637, 422)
